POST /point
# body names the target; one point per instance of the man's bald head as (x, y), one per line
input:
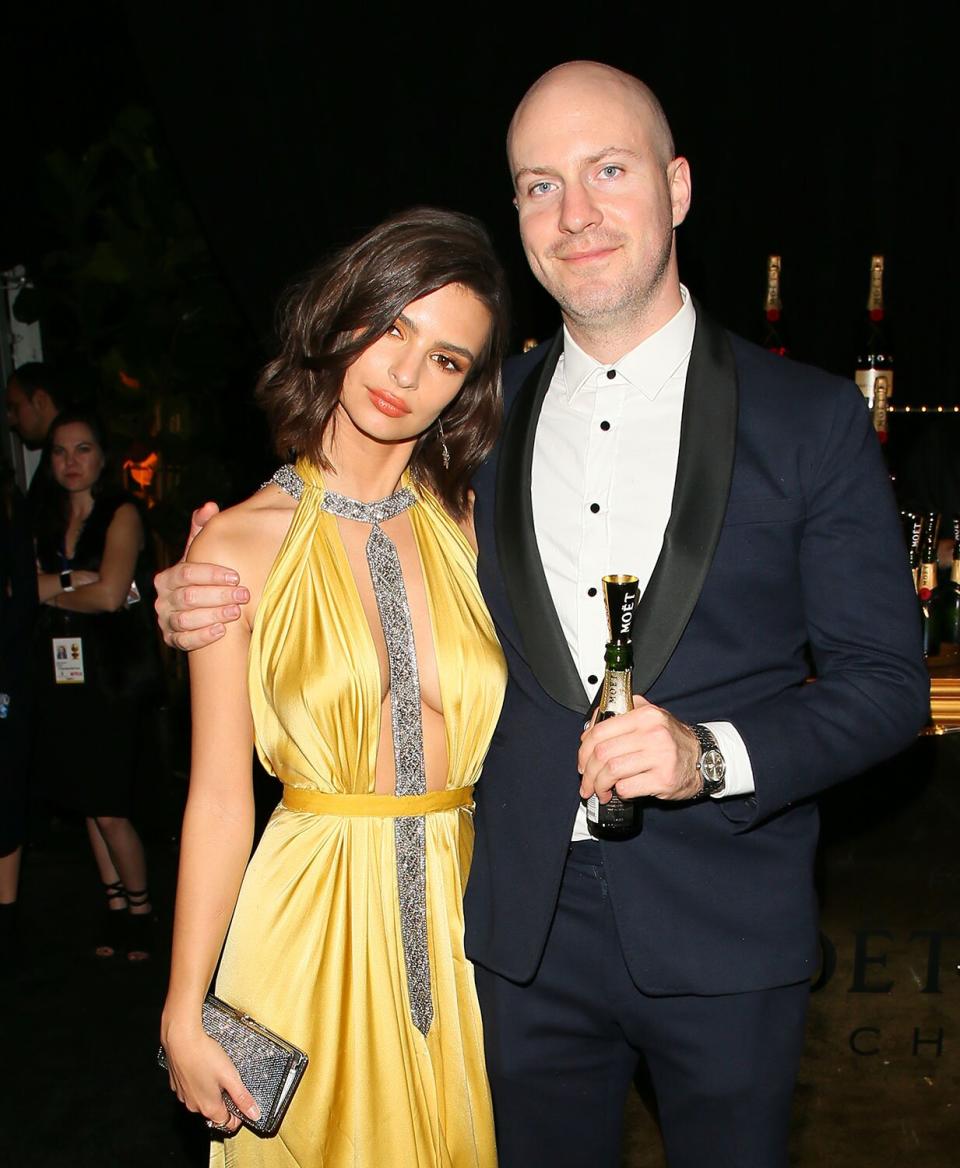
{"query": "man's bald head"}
(576, 81)
(599, 194)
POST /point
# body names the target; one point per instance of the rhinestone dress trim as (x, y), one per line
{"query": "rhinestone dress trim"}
(411, 779)
(287, 479)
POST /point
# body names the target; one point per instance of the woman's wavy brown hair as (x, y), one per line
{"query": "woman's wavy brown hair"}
(343, 306)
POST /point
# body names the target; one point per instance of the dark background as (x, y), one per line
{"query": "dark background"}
(290, 128)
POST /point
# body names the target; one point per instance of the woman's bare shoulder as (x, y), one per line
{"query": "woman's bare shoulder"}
(246, 532)
(269, 498)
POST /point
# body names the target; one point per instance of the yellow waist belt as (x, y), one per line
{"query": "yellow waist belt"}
(383, 806)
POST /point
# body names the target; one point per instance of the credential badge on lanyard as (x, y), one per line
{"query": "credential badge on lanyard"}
(67, 651)
(68, 660)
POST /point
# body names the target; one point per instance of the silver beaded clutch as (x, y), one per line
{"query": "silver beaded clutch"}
(270, 1067)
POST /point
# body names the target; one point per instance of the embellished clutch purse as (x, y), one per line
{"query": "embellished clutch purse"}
(270, 1067)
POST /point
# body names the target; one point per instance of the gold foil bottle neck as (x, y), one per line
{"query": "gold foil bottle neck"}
(773, 301)
(616, 697)
(620, 595)
(875, 299)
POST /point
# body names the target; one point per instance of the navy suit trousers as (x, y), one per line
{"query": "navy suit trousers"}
(562, 1051)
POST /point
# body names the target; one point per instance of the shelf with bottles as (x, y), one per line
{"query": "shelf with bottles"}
(939, 600)
(938, 589)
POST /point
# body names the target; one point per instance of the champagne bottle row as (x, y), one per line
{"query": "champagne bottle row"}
(874, 363)
(939, 606)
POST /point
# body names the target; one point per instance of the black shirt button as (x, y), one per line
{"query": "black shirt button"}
(594, 507)
(604, 425)
(591, 592)
(593, 679)
(611, 374)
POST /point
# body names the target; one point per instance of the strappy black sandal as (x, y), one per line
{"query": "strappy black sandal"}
(110, 930)
(141, 928)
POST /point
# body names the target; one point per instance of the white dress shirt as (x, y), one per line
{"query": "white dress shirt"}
(604, 465)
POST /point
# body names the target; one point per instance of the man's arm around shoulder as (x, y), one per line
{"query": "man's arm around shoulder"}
(194, 600)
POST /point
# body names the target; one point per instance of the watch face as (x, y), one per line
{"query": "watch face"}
(712, 766)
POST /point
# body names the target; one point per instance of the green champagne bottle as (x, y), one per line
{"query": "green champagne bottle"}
(950, 595)
(927, 585)
(618, 818)
(912, 531)
(773, 337)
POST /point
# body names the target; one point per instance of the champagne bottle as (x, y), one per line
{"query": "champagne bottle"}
(618, 818)
(950, 597)
(927, 585)
(881, 396)
(773, 310)
(913, 530)
(875, 363)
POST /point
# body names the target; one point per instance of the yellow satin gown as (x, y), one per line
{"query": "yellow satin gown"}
(315, 949)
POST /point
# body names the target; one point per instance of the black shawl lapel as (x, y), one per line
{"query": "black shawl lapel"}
(544, 645)
(708, 432)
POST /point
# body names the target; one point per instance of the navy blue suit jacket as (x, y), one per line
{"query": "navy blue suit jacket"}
(783, 539)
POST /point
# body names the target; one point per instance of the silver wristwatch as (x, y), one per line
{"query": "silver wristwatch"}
(711, 765)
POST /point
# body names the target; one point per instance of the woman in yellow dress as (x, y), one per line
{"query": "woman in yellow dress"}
(367, 673)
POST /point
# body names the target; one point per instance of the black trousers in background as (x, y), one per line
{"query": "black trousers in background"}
(562, 1051)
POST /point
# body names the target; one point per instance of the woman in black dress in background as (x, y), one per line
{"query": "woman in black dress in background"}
(96, 661)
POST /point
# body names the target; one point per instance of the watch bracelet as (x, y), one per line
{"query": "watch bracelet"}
(706, 740)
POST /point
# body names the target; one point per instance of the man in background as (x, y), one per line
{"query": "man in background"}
(34, 398)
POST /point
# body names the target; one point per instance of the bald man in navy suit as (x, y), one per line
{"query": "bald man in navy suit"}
(749, 496)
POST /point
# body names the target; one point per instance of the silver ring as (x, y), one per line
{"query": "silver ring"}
(220, 1127)
(231, 1107)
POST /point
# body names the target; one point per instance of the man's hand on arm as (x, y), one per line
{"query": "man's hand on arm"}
(644, 752)
(195, 601)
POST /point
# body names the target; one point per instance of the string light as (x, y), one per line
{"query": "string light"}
(923, 409)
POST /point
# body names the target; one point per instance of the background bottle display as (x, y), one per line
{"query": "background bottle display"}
(874, 373)
(949, 614)
(618, 818)
(773, 336)
(927, 585)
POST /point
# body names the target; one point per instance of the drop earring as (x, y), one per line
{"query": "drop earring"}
(444, 452)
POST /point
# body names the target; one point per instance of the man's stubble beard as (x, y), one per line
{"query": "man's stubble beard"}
(607, 309)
